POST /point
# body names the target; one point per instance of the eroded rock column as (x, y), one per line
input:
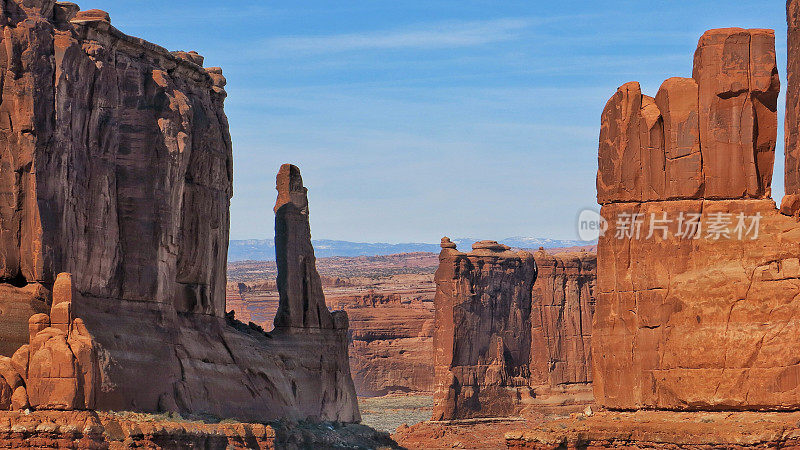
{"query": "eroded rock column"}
(302, 302)
(482, 340)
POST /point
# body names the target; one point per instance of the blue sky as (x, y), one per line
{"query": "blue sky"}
(411, 120)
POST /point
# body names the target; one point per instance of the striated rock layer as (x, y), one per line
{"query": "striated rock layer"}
(482, 337)
(117, 172)
(699, 317)
(117, 430)
(660, 430)
(561, 318)
(391, 347)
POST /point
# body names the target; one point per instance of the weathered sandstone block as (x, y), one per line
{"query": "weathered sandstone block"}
(482, 339)
(697, 304)
(677, 103)
(650, 148)
(738, 85)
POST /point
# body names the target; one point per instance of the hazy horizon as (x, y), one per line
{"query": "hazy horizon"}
(413, 120)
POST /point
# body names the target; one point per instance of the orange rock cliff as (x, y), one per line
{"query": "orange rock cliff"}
(701, 314)
(116, 181)
(513, 331)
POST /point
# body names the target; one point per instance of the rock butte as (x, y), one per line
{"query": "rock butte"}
(507, 343)
(694, 340)
(482, 335)
(700, 324)
(114, 195)
(392, 320)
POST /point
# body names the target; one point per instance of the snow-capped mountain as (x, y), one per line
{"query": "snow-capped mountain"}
(264, 249)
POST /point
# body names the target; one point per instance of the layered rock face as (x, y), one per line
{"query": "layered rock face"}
(117, 161)
(117, 172)
(482, 337)
(561, 318)
(391, 347)
(698, 309)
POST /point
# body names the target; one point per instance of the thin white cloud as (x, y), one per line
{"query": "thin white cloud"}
(434, 36)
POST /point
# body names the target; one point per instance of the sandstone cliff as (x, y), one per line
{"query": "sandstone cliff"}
(117, 173)
(702, 313)
(391, 347)
(482, 337)
(561, 318)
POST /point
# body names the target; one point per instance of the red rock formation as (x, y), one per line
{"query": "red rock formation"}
(561, 318)
(391, 344)
(302, 309)
(649, 148)
(693, 320)
(792, 135)
(117, 169)
(482, 339)
(737, 80)
(302, 302)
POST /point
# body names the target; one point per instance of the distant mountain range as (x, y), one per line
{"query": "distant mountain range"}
(264, 249)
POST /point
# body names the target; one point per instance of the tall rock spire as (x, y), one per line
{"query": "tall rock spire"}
(302, 302)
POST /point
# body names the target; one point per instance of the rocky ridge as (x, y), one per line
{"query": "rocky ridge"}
(103, 430)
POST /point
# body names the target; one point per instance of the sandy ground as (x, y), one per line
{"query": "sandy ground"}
(391, 411)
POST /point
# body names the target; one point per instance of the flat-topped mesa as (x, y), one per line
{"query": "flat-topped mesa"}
(711, 136)
(482, 338)
(302, 302)
(698, 302)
